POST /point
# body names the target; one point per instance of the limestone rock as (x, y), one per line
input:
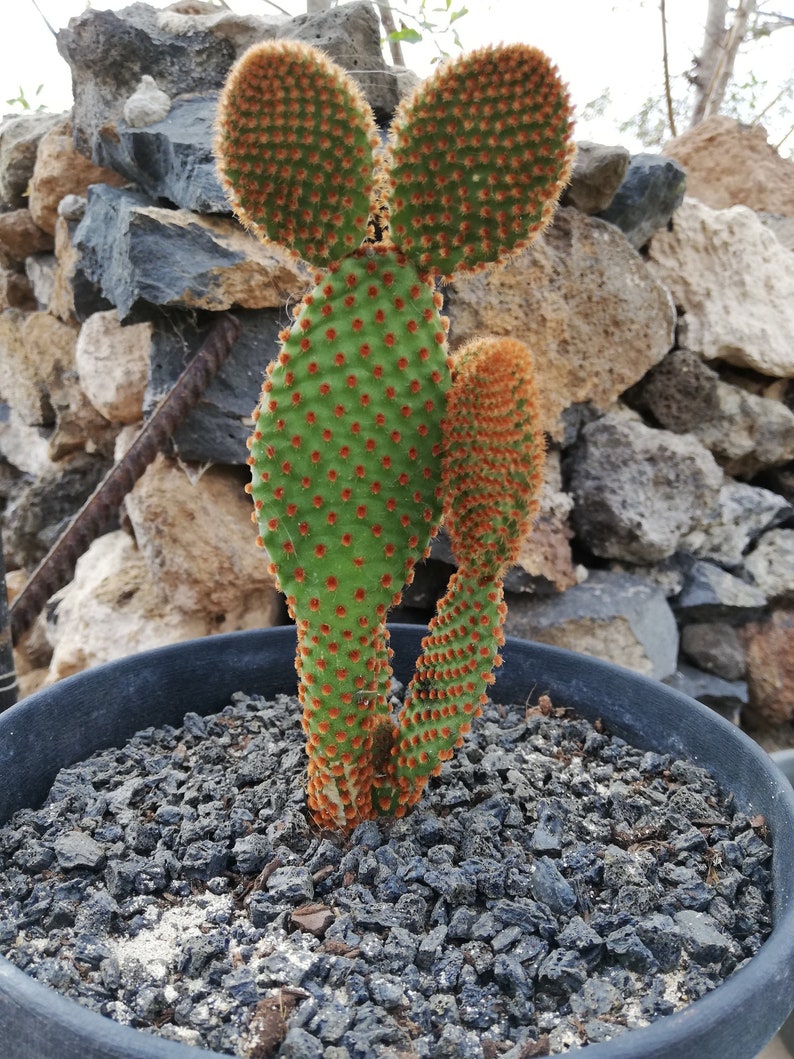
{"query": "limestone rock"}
(147, 104)
(216, 430)
(770, 565)
(36, 353)
(749, 434)
(619, 618)
(679, 393)
(712, 594)
(770, 668)
(20, 236)
(67, 259)
(61, 170)
(652, 189)
(583, 300)
(20, 136)
(141, 256)
(24, 447)
(739, 515)
(729, 698)
(196, 537)
(637, 491)
(173, 158)
(112, 608)
(41, 270)
(715, 647)
(113, 364)
(729, 164)
(744, 315)
(240, 30)
(597, 174)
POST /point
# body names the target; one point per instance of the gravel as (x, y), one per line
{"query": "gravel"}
(555, 887)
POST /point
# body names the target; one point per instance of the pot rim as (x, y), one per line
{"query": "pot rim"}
(765, 984)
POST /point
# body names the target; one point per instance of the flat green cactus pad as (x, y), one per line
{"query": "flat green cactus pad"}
(295, 150)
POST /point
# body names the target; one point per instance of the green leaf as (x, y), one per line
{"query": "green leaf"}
(411, 36)
(458, 14)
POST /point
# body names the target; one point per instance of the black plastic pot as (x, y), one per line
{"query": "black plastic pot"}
(784, 759)
(105, 706)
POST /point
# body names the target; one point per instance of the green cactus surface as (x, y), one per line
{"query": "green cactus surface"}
(346, 459)
(366, 432)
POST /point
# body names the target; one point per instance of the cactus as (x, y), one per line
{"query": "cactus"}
(367, 432)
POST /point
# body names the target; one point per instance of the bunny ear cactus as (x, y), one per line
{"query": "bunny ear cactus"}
(366, 431)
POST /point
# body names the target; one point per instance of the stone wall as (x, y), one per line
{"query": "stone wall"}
(661, 321)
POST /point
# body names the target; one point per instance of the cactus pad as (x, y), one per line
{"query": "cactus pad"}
(295, 150)
(481, 153)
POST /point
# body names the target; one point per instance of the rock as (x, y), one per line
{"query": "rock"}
(112, 608)
(20, 236)
(583, 297)
(613, 616)
(142, 256)
(41, 270)
(196, 537)
(728, 697)
(781, 227)
(770, 565)
(715, 647)
(749, 434)
(22, 446)
(20, 136)
(738, 516)
(770, 668)
(637, 491)
(217, 429)
(109, 52)
(350, 35)
(712, 594)
(241, 31)
(36, 354)
(696, 261)
(597, 174)
(16, 292)
(729, 164)
(67, 259)
(61, 170)
(113, 364)
(75, 849)
(652, 189)
(173, 158)
(147, 104)
(41, 508)
(679, 393)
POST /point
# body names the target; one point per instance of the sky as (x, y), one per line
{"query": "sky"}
(599, 46)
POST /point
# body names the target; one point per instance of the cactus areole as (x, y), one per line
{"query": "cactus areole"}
(367, 433)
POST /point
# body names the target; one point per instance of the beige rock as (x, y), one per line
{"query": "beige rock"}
(583, 301)
(734, 284)
(61, 170)
(36, 352)
(25, 447)
(112, 608)
(20, 236)
(730, 164)
(196, 537)
(113, 364)
(546, 551)
(20, 135)
(66, 256)
(770, 668)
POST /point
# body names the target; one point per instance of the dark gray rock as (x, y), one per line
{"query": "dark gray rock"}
(715, 647)
(701, 937)
(770, 565)
(109, 52)
(680, 392)
(217, 429)
(727, 697)
(738, 516)
(712, 594)
(20, 135)
(172, 159)
(652, 190)
(598, 172)
(548, 885)
(638, 490)
(75, 849)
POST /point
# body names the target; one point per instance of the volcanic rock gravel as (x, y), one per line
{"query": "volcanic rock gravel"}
(555, 887)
